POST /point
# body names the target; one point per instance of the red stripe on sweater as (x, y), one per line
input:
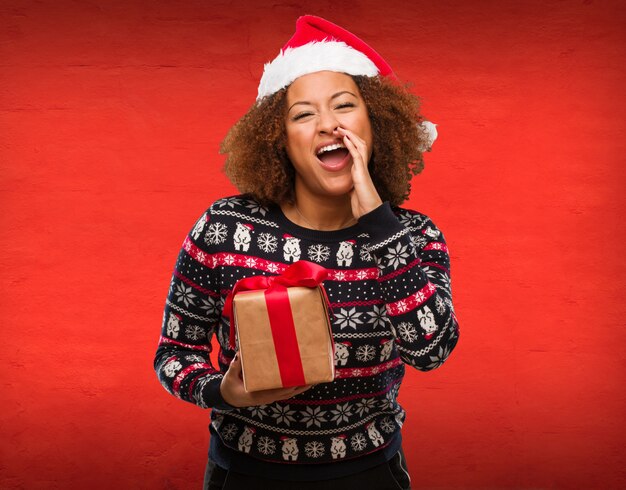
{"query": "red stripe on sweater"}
(393, 274)
(353, 274)
(183, 373)
(438, 266)
(231, 259)
(357, 303)
(189, 282)
(167, 340)
(436, 246)
(193, 383)
(411, 302)
(369, 371)
(250, 262)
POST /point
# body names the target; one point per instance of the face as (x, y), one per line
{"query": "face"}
(317, 104)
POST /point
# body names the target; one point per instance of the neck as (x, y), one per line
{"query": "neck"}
(323, 213)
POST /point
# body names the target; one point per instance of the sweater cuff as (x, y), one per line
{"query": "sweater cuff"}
(381, 224)
(215, 398)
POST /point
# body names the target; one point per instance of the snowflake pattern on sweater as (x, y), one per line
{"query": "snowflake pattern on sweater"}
(390, 294)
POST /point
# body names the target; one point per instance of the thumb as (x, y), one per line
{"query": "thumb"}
(235, 365)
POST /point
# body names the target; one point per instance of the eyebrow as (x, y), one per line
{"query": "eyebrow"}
(334, 96)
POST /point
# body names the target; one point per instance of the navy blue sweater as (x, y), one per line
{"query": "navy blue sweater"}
(389, 290)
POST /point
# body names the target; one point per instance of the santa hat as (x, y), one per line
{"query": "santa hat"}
(320, 45)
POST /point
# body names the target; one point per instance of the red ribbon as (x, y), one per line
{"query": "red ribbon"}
(301, 273)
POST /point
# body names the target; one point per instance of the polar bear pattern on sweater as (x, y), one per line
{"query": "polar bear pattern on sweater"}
(427, 321)
(289, 448)
(291, 249)
(172, 367)
(338, 447)
(431, 233)
(173, 325)
(242, 237)
(374, 435)
(345, 253)
(341, 353)
(199, 227)
(245, 439)
(385, 351)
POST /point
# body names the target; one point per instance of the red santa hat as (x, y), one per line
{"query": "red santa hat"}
(320, 45)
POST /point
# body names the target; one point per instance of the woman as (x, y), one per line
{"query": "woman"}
(323, 158)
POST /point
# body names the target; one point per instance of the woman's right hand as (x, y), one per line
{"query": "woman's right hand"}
(234, 393)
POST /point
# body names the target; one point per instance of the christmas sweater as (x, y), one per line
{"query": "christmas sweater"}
(391, 305)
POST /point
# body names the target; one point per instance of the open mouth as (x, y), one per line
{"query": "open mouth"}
(333, 157)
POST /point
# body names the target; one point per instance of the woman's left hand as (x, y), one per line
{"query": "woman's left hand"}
(364, 196)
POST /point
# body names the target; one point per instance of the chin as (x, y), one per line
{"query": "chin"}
(337, 190)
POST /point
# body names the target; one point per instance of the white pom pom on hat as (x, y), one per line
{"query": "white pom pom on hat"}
(430, 129)
(320, 45)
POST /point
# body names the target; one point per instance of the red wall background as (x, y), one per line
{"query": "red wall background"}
(111, 115)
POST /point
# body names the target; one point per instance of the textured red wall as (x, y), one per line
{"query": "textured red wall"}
(111, 116)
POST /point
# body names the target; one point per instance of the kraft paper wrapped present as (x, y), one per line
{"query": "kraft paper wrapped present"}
(283, 328)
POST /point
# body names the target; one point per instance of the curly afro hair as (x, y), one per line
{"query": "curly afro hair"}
(257, 162)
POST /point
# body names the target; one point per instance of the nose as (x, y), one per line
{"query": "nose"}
(327, 122)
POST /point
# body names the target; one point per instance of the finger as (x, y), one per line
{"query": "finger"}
(286, 393)
(355, 138)
(352, 139)
(357, 155)
(302, 389)
(236, 360)
(235, 366)
(357, 148)
(277, 393)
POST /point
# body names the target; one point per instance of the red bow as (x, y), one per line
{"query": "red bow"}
(301, 273)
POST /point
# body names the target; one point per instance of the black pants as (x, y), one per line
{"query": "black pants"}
(392, 475)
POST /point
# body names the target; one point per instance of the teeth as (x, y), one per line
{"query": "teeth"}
(330, 148)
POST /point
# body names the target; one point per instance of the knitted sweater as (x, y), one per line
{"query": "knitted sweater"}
(389, 291)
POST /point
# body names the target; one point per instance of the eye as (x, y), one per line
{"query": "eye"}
(344, 105)
(300, 115)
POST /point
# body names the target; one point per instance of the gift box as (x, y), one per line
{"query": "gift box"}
(283, 330)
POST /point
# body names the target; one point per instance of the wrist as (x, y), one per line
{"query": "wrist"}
(372, 206)
(226, 399)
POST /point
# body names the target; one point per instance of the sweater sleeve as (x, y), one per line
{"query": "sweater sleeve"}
(192, 311)
(414, 277)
